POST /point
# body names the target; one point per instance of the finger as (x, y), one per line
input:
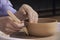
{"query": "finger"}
(9, 31)
(28, 10)
(10, 26)
(15, 25)
(21, 14)
(19, 25)
(21, 9)
(35, 17)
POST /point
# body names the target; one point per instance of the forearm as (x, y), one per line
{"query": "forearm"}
(0, 5)
(4, 6)
(3, 11)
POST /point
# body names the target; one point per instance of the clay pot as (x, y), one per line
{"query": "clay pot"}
(44, 27)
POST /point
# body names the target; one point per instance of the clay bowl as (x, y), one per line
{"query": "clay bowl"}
(44, 27)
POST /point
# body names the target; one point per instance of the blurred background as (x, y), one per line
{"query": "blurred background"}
(45, 8)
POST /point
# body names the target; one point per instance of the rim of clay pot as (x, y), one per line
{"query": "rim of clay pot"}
(45, 20)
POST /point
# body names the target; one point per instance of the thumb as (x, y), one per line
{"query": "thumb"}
(21, 14)
(19, 25)
(21, 10)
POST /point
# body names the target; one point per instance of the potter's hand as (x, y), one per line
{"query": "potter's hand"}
(26, 11)
(8, 26)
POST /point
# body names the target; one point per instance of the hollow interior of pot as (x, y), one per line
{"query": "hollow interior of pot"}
(46, 20)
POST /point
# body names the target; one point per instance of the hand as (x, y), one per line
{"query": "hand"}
(26, 11)
(8, 26)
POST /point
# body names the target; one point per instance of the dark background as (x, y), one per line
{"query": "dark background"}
(45, 8)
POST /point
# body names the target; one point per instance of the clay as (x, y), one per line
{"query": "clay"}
(44, 27)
